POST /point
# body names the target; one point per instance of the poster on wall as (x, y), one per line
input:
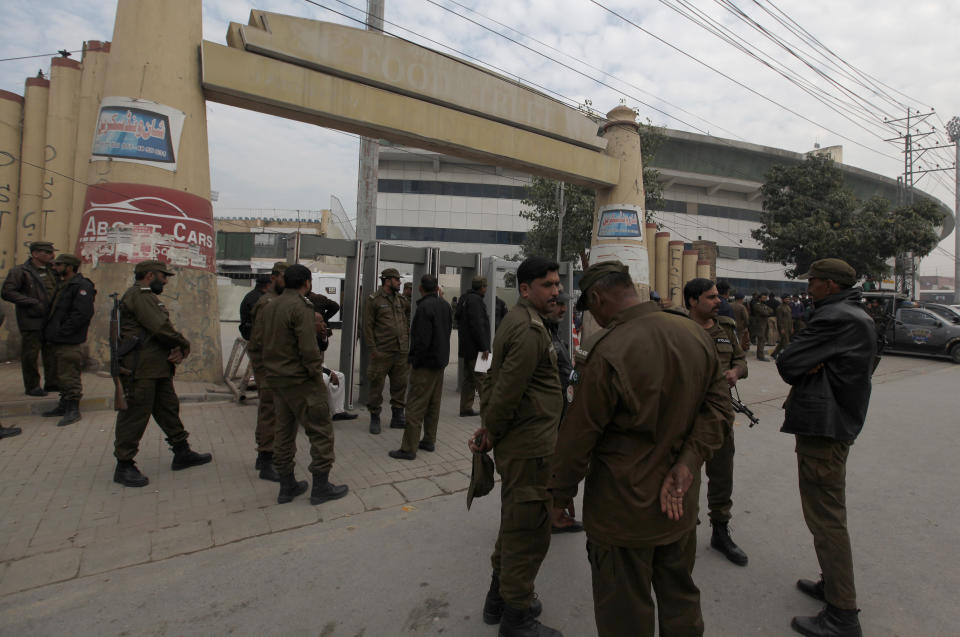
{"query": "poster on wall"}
(619, 222)
(137, 130)
(129, 223)
(620, 229)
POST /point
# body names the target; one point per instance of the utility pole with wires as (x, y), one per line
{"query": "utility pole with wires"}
(953, 131)
(913, 171)
(368, 173)
(560, 212)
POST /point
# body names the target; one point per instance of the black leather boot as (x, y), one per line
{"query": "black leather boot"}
(830, 622)
(493, 604)
(59, 410)
(128, 475)
(71, 413)
(9, 432)
(290, 488)
(374, 423)
(811, 588)
(521, 622)
(184, 457)
(324, 490)
(398, 420)
(721, 541)
(265, 465)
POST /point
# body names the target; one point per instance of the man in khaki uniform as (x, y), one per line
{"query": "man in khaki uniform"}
(386, 331)
(644, 431)
(702, 300)
(784, 314)
(520, 416)
(742, 316)
(284, 344)
(759, 313)
(31, 286)
(65, 332)
(159, 348)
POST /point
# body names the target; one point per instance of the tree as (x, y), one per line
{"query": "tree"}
(808, 214)
(579, 204)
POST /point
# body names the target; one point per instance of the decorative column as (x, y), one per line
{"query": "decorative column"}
(32, 158)
(11, 116)
(61, 134)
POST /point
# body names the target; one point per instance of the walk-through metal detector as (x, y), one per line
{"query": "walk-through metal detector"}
(471, 265)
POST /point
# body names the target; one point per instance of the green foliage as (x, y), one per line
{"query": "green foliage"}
(579, 204)
(808, 214)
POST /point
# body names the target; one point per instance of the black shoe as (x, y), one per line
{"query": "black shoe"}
(51, 387)
(184, 457)
(493, 604)
(400, 454)
(571, 526)
(128, 475)
(344, 415)
(36, 391)
(9, 432)
(290, 488)
(721, 541)
(265, 465)
(374, 423)
(324, 490)
(830, 622)
(811, 588)
(469, 413)
(398, 419)
(71, 413)
(59, 410)
(426, 446)
(521, 622)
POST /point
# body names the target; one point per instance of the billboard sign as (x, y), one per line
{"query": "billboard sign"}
(138, 130)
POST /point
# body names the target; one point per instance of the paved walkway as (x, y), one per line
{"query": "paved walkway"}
(62, 516)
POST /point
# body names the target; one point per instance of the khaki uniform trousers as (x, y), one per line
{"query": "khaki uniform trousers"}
(266, 415)
(720, 479)
(394, 365)
(423, 407)
(622, 577)
(783, 342)
(306, 403)
(69, 362)
(32, 348)
(469, 384)
(146, 397)
(822, 466)
(524, 535)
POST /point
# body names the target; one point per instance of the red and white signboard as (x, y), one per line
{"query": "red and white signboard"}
(129, 223)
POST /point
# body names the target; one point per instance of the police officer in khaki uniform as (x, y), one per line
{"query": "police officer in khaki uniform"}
(520, 416)
(31, 286)
(703, 302)
(66, 331)
(759, 313)
(386, 331)
(284, 345)
(158, 349)
(742, 315)
(784, 314)
(644, 430)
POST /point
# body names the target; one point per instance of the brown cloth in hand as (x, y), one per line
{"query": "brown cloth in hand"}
(481, 477)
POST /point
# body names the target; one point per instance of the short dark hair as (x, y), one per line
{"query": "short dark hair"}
(429, 283)
(694, 288)
(295, 276)
(535, 267)
(723, 287)
(263, 280)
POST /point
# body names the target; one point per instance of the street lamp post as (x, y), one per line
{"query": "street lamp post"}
(953, 130)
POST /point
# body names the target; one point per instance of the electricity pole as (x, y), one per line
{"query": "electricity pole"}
(953, 130)
(369, 170)
(561, 211)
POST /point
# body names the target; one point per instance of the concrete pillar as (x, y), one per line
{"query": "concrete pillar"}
(703, 270)
(32, 156)
(662, 285)
(650, 240)
(619, 219)
(152, 174)
(61, 133)
(94, 63)
(11, 116)
(708, 252)
(689, 267)
(675, 273)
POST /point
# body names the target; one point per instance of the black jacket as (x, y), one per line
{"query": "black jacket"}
(833, 401)
(473, 325)
(70, 312)
(26, 287)
(246, 311)
(430, 333)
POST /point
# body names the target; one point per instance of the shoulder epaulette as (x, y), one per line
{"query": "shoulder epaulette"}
(726, 320)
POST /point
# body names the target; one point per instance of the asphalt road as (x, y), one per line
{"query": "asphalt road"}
(423, 570)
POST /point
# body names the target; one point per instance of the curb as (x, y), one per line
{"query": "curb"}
(28, 407)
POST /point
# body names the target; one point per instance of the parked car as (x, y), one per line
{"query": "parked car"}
(946, 311)
(916, 330)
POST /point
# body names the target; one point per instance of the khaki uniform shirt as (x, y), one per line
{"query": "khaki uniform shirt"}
(785, 319)
(143, 314)
(386, 324)
(284, 341)
(261, 303)
(526, 399)
(741, 315)
(724, 336)
(651, 395)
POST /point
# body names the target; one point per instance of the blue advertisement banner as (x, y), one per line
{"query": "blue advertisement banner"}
(619, 223)
(133, 133)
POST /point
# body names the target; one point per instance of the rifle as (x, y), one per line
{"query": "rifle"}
(119, 398)
(740, 408)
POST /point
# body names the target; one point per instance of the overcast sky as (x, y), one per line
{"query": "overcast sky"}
(911, 51)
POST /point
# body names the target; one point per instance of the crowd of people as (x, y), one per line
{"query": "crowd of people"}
(644, 408)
